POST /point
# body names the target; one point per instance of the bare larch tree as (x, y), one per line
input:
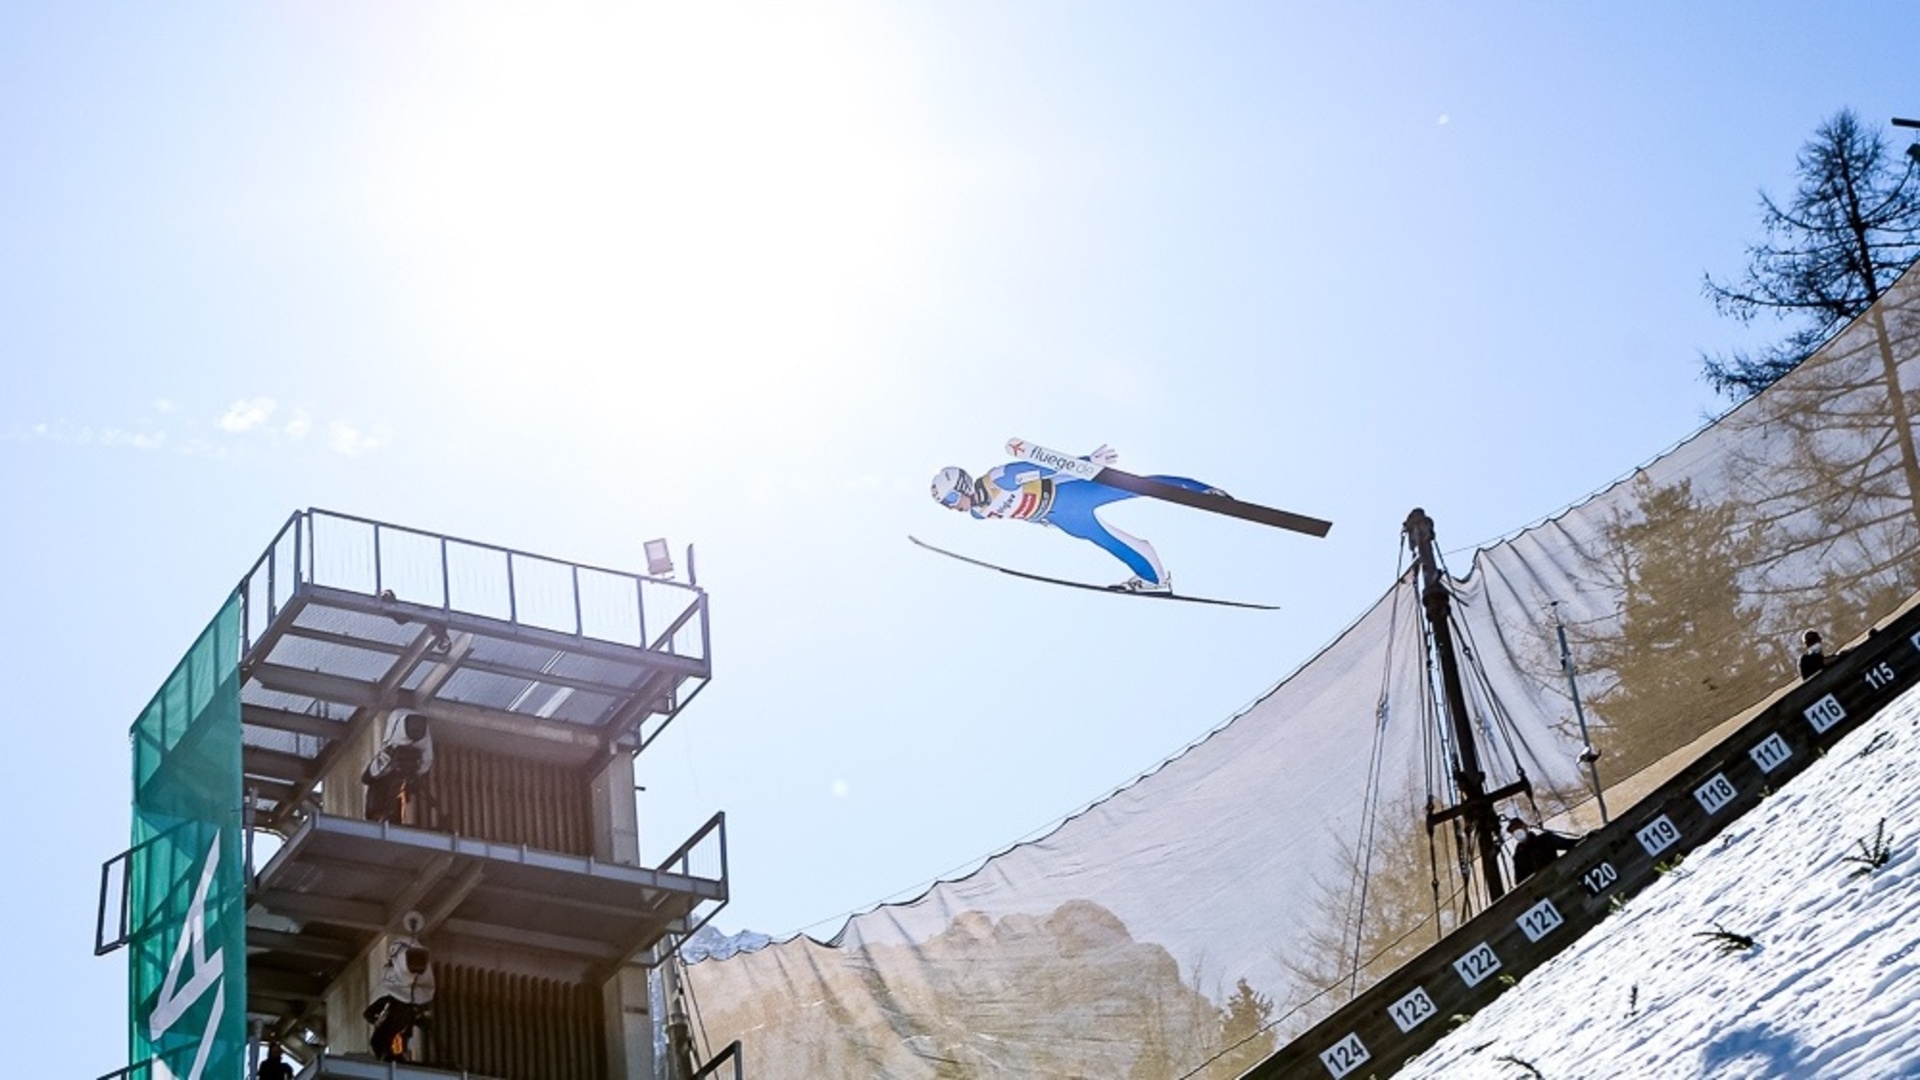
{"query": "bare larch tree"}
(1851, 228)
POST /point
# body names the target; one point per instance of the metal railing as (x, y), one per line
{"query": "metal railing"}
(116, 894)
(374, 558)
(704, 856)
(731, 1053)
(116, 881)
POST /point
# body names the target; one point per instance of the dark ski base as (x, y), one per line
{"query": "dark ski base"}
(1212, 502)
(1093, 588)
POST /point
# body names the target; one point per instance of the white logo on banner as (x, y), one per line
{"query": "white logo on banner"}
(176, 999)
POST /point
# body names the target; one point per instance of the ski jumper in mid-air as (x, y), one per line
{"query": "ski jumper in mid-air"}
(1025, 491)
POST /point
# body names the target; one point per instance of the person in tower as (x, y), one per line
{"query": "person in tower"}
(406, 989)
(1024, 491)
(399, 771)
(275, 1066)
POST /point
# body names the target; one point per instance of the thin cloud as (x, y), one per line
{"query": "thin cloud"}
(138, 440)
(250, 418)
(247, 414)
(202, 448)
(66, 433)
(351, 441)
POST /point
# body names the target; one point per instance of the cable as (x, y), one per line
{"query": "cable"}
(1309, 1000)
(1370, 803)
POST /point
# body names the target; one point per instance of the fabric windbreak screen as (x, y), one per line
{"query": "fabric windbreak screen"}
(186, 974)
(1192, 922)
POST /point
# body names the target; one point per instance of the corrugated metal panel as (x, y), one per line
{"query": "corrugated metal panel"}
(510, 800)
(255, 694)
(518, 1026)
(483, 689)
(359, 624)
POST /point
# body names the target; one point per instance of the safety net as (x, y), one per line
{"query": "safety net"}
(186, 904)
(1188, 924)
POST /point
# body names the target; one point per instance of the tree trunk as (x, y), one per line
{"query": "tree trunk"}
(1897, 403)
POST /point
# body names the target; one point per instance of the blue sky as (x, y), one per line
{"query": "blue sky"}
(569, 278)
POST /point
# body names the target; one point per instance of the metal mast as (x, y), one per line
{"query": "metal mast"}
(1476, 802)
(1587, 753)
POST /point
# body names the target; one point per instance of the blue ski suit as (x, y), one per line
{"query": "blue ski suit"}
(1023, 491)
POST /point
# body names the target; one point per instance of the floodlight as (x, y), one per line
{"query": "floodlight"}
(1913, 152)
(659, 563)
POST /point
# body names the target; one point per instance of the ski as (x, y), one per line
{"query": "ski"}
(1140, 485)
(1093, 588)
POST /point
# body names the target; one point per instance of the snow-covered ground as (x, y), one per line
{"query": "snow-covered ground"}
(1829, 988)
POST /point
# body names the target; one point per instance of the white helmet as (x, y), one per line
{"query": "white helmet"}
(949, 484)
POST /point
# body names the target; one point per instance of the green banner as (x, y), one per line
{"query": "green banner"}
(186, 976)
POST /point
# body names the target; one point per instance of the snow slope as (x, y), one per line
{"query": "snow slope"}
(1830, 987)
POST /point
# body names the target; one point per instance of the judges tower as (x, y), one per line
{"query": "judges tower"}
(275, 885)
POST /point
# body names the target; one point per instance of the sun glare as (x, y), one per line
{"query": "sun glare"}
(678, 202)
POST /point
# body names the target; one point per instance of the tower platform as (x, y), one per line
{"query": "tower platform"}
(344, 618)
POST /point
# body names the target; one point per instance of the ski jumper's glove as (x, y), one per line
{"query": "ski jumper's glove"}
(1106, 455)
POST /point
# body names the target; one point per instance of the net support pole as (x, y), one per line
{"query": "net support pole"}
(1587, 752)
(1475, 804)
